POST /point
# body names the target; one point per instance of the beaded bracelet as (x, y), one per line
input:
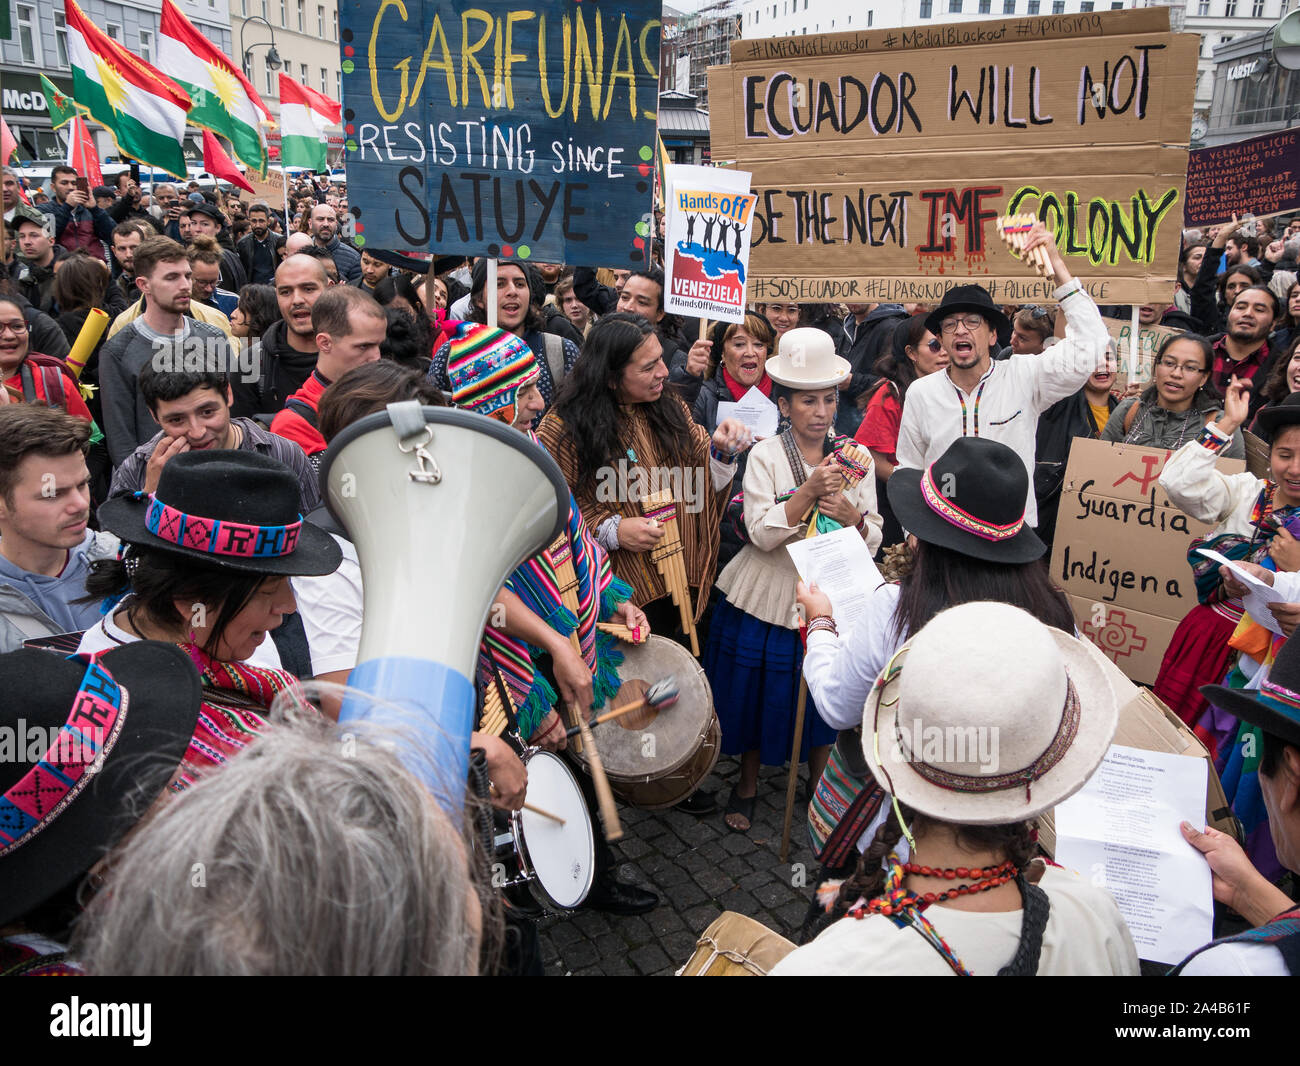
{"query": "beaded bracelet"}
(823, 621)
(723, 457)
(1212, 440)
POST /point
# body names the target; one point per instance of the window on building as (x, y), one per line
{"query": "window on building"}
(1058, 7)
(1086, 5)
(1203, 7)
(266, 9)
(1116, 5)
(29, 34)
(338, 85)
(954, 7)
(1257, 12)
(1008, 7)
(926, 6)
(146, 46)
(986, 6)
(61, 37)
(334, 23)
(320, 22)
(1230, 9)
(305, 77)
(1033, 7)
(114, 31)
(302, 25)
(324, 80)
(785, 7)
(270, 82)
(869, 17)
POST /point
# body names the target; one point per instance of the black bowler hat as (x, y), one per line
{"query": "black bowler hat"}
(236, 510)
(1275, 416)
(966, 298)
(99, 743)
(1275, 707)
(970, 500)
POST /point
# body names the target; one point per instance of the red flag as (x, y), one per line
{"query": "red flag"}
(220, 165)
(82, 156)
(8, 144)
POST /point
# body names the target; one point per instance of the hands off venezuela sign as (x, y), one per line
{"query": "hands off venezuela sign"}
(500, 128)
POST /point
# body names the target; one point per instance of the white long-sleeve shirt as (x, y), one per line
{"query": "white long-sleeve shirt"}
(840, 670)
(1006, 403)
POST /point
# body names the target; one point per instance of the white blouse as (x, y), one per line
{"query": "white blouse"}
(840, 670)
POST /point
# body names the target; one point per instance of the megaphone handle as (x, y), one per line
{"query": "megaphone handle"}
(604, 794)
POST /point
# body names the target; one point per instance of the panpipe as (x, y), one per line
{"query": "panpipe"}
(566, 579)
(619, 631)
(854, 462)
(498, 711)
(669, 558)
(1014, 231)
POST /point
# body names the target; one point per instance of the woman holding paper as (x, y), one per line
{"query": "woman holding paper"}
(966, 519)
(950, 883)
(753, 659)
(1254, 521)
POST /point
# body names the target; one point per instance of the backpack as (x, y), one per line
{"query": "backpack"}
(554, 346)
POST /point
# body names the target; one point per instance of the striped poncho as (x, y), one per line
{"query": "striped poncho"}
(599, 594)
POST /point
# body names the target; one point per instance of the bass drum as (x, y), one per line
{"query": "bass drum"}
(659, 764)
(736, 946)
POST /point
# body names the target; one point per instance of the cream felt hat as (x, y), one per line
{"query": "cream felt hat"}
(807, 360)
(987, 717)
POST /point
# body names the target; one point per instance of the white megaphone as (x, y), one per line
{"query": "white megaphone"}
(441, 505)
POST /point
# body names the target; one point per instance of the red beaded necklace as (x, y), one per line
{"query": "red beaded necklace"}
(984, 880)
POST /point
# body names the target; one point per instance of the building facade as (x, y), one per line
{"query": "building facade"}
(1250, 94)
(306, 37)
(694, 42)
(39, 45)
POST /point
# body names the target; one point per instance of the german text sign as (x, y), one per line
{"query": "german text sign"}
(881, 159)
(501, 128)
(1259, 176)
(1120, 552)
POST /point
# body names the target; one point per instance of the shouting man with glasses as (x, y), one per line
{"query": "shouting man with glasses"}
(980, 397)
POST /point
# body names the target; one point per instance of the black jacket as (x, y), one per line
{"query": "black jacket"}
(602, 299)
(246, 248)
(282, 371)
(1058, 426)
(37, 283)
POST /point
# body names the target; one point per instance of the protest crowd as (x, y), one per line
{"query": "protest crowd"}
(182, 606)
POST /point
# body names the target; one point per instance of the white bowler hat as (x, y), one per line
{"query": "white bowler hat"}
(987, 717)
(807, 360)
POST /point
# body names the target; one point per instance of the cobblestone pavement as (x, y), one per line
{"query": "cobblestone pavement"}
(699, 868)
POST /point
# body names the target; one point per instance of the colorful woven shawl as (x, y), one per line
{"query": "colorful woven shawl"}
(599, 593)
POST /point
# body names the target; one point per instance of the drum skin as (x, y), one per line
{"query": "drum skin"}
(558, 861)
(736, 946)
(661, 764)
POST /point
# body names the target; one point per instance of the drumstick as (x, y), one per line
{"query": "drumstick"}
(661, 695)
(604, 794)
(536, 810)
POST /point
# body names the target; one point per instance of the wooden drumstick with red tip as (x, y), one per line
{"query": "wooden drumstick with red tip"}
(659, 696)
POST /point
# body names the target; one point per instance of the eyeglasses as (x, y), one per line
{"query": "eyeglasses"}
(16, 328)
(971, 322)
(1187, 368)
(934, 345)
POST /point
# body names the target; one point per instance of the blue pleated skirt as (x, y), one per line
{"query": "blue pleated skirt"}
(754, 669)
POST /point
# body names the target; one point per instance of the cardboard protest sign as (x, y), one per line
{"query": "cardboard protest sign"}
(502, 128)
(706, 253)
(1259, 176)
(1149, 340)
(881, 159)
(1120, 552)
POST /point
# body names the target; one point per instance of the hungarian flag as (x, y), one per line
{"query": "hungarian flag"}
(61, 106)
(82, 156)
(141, 107)
(305, 114)
(224, 99)
(220, 165)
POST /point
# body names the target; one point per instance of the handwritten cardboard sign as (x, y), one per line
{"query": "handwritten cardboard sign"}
(1120, 552)
(1149, 340)
(881, 159)
(709, 213)
(501, 128)
(1259, 176)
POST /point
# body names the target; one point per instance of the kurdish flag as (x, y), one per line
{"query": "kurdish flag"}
(141, 107)
(225, 101)
(304, 116)
(62, 108)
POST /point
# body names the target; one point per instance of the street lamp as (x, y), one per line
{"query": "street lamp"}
(272, 57)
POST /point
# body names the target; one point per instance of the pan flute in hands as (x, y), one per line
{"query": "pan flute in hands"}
(1014, 231)
(669, 558)
(853, 460)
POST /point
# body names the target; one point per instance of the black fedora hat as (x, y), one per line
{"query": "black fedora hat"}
(96, 740)
(970, 500)
(966, 298)
(1286, 413)
(233, 509)
(1275, 707)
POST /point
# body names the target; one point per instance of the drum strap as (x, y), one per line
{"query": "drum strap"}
(1032, 925)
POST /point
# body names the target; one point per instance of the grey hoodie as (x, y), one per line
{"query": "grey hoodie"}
(1156, 427)
(32, 605)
